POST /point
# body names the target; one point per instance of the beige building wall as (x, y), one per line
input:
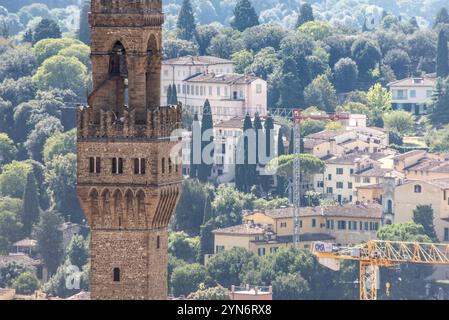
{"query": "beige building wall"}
(228, 241)
(406, 200)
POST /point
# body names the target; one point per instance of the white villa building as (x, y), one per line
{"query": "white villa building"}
(412, 94)
(200, 78)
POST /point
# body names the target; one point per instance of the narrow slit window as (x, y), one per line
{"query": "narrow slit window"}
(116, 274)
(114, 165)
(120, 165)
(136, 166)
(163, 165)
(97, 165)
(142, 166)
(92, 165)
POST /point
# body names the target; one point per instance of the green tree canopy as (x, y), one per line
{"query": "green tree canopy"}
(61, 72)
(8, 150)
(310, 165)
(46, 29)
(60, 177)
(305, 14)
(423, 215)
(228, 268)
(438, 109)
(49, 239)
(345, 75)
(13, 178)
(379, 102)
(30, 209)
(190, 210)
(59, 144)
(78, 251)
(214, 293)
(26, 283)
(186, 21)
(442, 59)
(244, 16)
(187, 278)
(10, 230)
(321, 93)
(400, 121)
(181, 246)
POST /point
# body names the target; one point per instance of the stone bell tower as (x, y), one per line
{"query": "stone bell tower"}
(128, 179)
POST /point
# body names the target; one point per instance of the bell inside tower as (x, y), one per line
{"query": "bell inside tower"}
(118, 70)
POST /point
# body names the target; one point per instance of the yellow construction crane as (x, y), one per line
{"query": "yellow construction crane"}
(377, 253)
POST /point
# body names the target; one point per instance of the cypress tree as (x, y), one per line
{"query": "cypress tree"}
(441, 17)
(186, 22)
(30, 205)
(174, 95)
(249, 172)
(244, 16)
(258, 129)
(291, 142)
(269, 143)
(267, 180)
(204, 170)
(84, 30)
(439, 108)
(442, 59)
(305, 14)
(281, 149)
(193, 166)
(169, 94)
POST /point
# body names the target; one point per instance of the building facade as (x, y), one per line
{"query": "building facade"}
(128, 184)
(266, 232)
(176, 70)
(412, 94)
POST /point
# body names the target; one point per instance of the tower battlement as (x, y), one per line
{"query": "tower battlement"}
(159, 123)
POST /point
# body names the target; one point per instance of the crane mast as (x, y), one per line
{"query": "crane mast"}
(297, 116)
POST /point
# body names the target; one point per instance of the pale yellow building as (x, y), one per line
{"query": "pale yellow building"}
(266, 232)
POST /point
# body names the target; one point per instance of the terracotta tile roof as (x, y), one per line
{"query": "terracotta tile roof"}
(349, 158)
(230, 78)
(414, 82)
(409, 154)
(327, 134)
(236, 122)
(312, 143)
(19, 258)
(26, 243)
(430, 165)
(304, 237)
(242, 229)
(373, 172)
(346, 210)
(371, 186)
(196, 60)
